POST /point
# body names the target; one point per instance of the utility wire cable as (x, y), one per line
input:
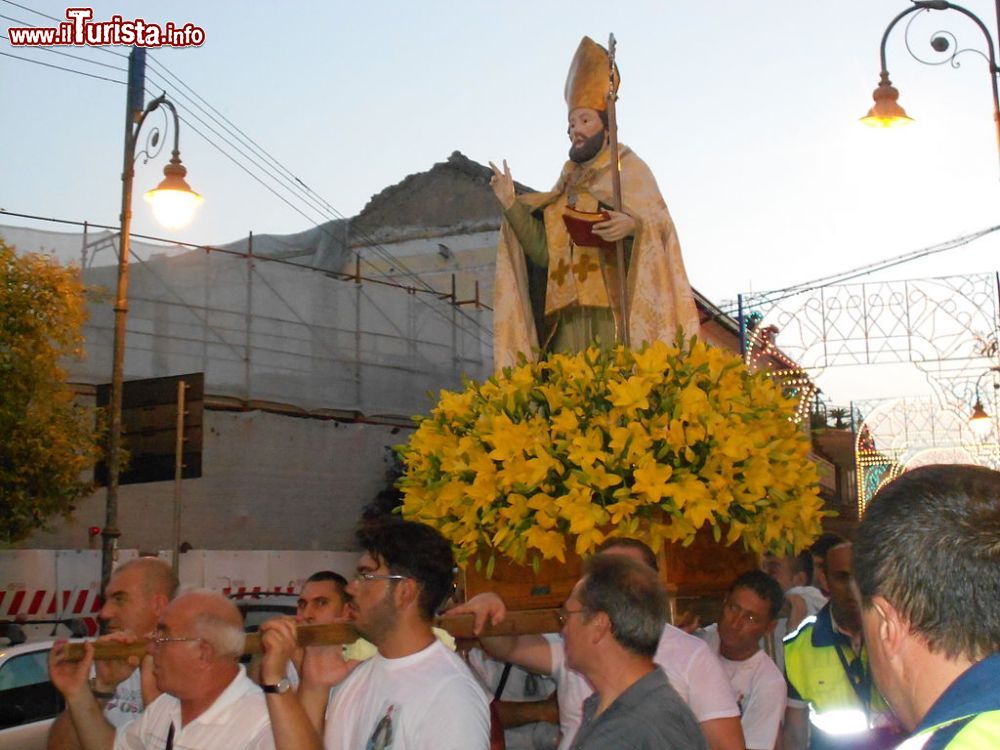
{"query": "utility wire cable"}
(373, 245)
(36, 12)
(60, 67)
(194, 115)
(102, 48)
(378, 249)
(74, 57)
(462, 325)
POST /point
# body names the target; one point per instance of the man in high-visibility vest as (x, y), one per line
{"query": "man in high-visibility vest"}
(927, 556)
(832, 703)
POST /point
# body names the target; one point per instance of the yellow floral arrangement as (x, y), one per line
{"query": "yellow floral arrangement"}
(650, 444)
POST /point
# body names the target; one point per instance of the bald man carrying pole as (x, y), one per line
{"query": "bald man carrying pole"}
(136, 595)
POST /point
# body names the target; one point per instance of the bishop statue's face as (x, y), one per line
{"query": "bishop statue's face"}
(586, 134)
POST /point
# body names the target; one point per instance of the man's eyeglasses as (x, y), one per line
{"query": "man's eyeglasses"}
(158, 639)
(737, 611)
(565, 612)
(364, 576)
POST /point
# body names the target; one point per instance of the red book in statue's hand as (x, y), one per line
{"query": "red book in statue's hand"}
(580, 225)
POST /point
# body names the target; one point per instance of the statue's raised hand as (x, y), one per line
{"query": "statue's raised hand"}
(502, 184)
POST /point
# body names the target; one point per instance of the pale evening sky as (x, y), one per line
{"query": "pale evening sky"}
(747, 113)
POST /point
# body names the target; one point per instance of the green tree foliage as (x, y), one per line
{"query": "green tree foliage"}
(47, 440)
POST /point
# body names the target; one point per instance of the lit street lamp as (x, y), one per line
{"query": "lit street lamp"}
(980, 422)
(887, 112)
(173, 204)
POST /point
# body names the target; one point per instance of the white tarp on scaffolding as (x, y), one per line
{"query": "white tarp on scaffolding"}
(264, 331)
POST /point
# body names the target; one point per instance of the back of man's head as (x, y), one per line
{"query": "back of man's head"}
(639, 549)
(630, 594)
(414, 550)
(156, 575)
(929, 544)
(763, 586)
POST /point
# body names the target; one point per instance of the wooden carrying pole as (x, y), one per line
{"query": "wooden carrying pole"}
(460, 626)
(616, 188)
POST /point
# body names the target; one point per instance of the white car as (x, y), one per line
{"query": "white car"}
(28, 701)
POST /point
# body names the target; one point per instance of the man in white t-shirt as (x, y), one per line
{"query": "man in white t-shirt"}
(414, 693)
(691, 668)
(748, 613)
(206, 700)
(134, 599)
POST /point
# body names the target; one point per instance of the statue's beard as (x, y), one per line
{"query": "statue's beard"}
(588, 149)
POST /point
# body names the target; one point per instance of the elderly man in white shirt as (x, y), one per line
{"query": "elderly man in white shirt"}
(207, 700)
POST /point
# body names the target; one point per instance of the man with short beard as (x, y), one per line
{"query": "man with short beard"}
(554, 293)
(414, 693)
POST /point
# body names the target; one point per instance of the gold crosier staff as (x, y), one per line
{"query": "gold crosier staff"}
(616, 190)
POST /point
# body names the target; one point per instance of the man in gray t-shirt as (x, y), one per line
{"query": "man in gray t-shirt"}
(611, 625)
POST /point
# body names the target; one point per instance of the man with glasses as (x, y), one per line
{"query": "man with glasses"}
(748, 613)
(611, 624)
(134, 599)
(414, 692)
(206, 701)
(692, 669)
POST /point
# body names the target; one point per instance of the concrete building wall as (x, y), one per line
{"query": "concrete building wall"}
(270, 481)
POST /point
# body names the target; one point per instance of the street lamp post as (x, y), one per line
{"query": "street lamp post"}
(886, 112)
(172, 194)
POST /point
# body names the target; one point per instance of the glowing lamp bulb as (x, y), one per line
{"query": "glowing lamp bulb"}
(173, 201)
(980, 421)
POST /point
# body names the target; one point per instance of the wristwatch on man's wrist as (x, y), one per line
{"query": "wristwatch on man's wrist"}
(281, 686)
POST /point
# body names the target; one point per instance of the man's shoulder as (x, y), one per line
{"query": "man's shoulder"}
(801, 635)
(677, 647)
(811, 596)
(710, 635)
(435, 662)
(656, 716)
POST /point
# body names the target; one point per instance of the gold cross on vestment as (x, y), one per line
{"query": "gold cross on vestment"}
(584, 265)
(559, 275)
